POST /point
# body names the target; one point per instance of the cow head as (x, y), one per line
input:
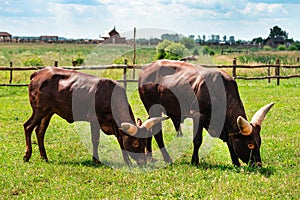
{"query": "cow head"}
(134, 141)
(246, 143)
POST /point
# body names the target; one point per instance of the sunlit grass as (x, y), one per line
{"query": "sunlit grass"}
(71, 174)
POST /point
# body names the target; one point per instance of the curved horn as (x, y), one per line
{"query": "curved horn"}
(129, 128)
(149, 123)
(244, 126)
(259, 116)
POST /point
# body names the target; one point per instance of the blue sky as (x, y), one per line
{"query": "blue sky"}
(245, 19)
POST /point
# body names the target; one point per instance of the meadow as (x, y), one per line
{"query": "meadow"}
(70, 174)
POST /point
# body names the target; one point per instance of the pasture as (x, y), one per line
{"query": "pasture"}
(70, 173)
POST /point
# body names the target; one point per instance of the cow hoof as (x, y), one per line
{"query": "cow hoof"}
(179, 135)
(168, 161)
(96, 161)
(152, 160)
(238, 164)
(26, 158)
(195, 162)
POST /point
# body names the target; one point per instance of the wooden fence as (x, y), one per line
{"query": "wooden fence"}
(126, 67)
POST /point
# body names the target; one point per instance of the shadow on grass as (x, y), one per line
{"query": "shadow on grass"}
(265, 171)
(86, 163)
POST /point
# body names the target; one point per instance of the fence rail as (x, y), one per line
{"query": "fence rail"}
(125, 68)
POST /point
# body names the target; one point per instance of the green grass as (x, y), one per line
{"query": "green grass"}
(70, 174)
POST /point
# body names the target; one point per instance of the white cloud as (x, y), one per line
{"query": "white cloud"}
(78, 18)
(264, 9)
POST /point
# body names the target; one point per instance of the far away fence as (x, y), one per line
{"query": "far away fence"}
(126, 67)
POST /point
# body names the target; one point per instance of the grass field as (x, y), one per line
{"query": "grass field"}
(70, 173)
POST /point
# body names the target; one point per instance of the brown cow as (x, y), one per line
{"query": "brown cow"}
(211, 98)
(77, 96)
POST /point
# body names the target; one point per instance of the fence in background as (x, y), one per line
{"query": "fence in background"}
(126, 67)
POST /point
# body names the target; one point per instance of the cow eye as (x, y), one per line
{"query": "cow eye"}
(251, 146)
(135, 143)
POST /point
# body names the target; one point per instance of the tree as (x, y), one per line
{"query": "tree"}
(161, 49)
(224, 38)
(171, 37)
(188, 42)
(277, 32)
(231, 40)
(170, 50)
(258, 40)
(175, 51)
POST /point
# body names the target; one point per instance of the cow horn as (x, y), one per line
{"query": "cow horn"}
(149, 123)
(129, 128)
(244, 126)
(259, 116)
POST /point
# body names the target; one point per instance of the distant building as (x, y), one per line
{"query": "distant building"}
(113, 38)
(5, 37)
(275, 42)
(48, 38)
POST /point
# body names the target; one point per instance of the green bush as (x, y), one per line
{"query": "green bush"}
(161, 47)
(267, 48)
(189, 43)
(175, 51)
(79, 60)
(297, 44)
(293, 48)
(208, 51)
(281, 47)
(33, 62)
(170, 50)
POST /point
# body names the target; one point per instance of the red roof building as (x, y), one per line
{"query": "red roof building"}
(5, 37)
(114, 38)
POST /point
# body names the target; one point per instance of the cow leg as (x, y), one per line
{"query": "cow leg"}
(177, 125)
(29, 125)
(234, 157)
(124, 152)
(95, 135)
(149, 148)
(197, 141)
(179, 131)
(157, 132)
(160, 141)
(40, 134)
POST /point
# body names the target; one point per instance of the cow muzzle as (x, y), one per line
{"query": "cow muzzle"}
(254, 161)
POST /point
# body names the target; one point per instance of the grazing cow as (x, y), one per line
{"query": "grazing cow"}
(211, 98)
(81, 97)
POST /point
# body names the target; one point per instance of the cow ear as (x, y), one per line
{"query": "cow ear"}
(244, 126)
(129, 128)
(139, 122)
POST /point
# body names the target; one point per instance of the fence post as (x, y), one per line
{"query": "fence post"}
(55, 63)
(269, 74)
(134, 46)
(74, 63)
(234, 68)
(124, 77)
(277, 71)
(11, 72)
